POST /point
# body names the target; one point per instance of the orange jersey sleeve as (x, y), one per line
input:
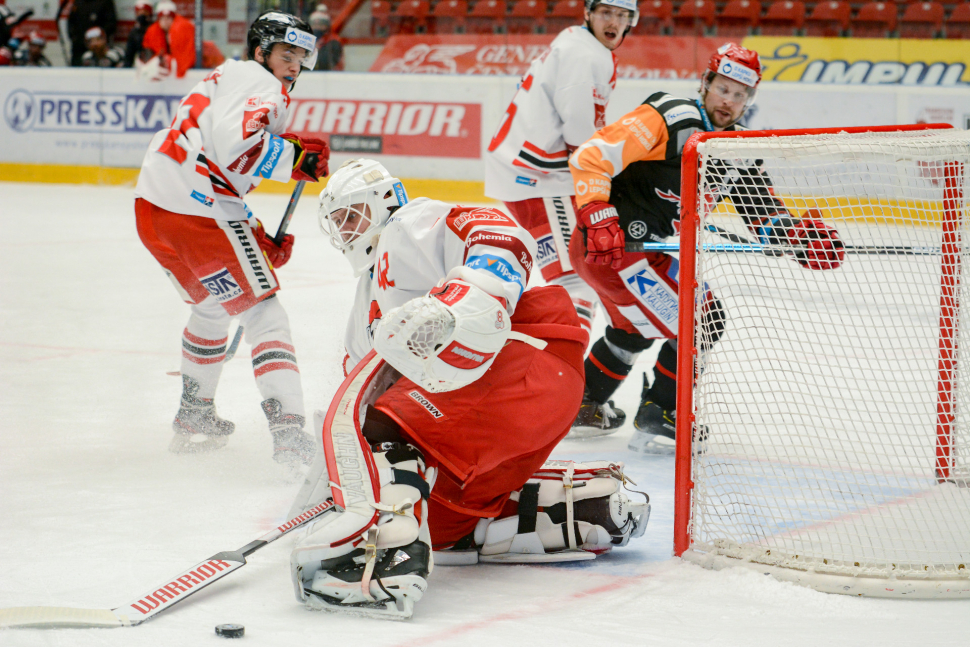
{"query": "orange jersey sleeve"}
(638, 136)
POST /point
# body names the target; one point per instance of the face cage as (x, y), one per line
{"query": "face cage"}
(708, 78)
(343, 239)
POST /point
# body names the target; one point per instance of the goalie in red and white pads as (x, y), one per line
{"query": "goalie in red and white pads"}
(462, 351)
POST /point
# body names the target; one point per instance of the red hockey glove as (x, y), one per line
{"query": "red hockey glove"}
(310, 159)
(604, 238)
(278, 255)
(817, 246)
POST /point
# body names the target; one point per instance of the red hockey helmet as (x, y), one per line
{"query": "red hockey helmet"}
(736, 63)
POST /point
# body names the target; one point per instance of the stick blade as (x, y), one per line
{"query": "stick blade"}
(58, 618)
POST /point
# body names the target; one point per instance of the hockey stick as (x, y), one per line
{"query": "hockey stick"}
(288, 214)
(744, 245)
(891, 250)
(149, 605)
(60, 31)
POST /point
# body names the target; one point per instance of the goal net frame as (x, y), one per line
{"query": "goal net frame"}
(863, 583)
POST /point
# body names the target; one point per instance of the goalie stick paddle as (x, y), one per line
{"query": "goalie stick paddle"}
(288, 214)
(150, 604)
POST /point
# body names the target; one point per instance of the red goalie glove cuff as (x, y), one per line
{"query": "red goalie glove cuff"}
(817, 246)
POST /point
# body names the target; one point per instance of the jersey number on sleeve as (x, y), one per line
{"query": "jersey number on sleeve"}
(509, 115)
(196, 103)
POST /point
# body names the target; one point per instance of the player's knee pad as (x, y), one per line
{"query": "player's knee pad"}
(209, 319)
(632, 342)
(567, 511)
(372, 555)
(265, 319)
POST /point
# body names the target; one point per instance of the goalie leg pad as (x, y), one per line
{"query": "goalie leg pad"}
(567, 511)
(382, 569)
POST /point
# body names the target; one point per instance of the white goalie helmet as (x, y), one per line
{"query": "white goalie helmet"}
(354, 207)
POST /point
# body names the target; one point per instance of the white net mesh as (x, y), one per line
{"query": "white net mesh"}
(821, 398)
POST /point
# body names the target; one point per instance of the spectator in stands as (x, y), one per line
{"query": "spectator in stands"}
(172, 38)
(144, 15)
(330, 52)
(99, 54)
(84, 15)
(33, 54)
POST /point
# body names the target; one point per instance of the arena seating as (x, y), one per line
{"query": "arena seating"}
(448, 16)
(828, 18)
(527, 17)
(874, 20)
(694, 18)
(655, 18)
(920, 19)
(738, 18)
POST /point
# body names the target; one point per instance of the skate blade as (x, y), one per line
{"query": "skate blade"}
(538, 558)
(400, 609)
(655, 444)
(196, 443)
(585, 433)
(455, 557)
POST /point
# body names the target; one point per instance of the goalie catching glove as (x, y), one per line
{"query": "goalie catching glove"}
(310, 159)
(566, 512)
(449, 338)
(816, 246)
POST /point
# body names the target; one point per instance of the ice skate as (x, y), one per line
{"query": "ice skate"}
(197, 426)
(596, 420)
(292, 447)
(654, 430)
(399, 580)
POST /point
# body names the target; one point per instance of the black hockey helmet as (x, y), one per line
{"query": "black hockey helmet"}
(278, 27)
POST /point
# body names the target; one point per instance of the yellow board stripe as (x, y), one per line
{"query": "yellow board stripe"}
(459, 191)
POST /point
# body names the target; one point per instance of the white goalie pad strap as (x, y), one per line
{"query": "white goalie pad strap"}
(445, 340)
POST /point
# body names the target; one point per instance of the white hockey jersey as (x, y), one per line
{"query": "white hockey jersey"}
(560, 103)
(423, 241)
(222, 143)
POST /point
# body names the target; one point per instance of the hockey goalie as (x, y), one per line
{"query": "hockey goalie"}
(463, 382)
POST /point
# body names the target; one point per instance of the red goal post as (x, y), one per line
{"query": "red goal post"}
(690, 455)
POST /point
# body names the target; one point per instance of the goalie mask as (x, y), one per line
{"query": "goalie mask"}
(358, 201)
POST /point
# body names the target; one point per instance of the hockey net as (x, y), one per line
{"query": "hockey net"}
(826, 436)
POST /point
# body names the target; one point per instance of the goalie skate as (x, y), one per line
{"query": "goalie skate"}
(399, 579)
(595, 420)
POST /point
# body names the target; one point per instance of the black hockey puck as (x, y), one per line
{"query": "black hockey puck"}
(230, 631)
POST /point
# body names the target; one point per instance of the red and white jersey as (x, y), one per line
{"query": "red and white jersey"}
(560, 103)
(423, 241)
(222, 142)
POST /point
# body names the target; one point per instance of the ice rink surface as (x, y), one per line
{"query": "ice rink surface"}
(94, 510)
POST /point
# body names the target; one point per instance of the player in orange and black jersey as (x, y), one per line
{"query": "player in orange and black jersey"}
(627, 179)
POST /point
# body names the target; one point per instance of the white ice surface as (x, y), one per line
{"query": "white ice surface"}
(94, 510)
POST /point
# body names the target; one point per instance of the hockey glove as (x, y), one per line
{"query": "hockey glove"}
(278, 255)
(817, 246)
(310, 160)
(604, 238)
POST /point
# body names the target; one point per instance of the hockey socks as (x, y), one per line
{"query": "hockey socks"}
(604, 371)
(663, 392)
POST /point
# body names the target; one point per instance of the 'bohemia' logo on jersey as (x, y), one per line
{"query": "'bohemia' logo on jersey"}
(203, 198)
(222, 286)
(528, 181)
(424, 402)
(79, 112)
(547, 251)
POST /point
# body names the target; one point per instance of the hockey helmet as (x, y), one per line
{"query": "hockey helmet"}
(354, 207)
(278, 27)
(736, 63)
(629, 5)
